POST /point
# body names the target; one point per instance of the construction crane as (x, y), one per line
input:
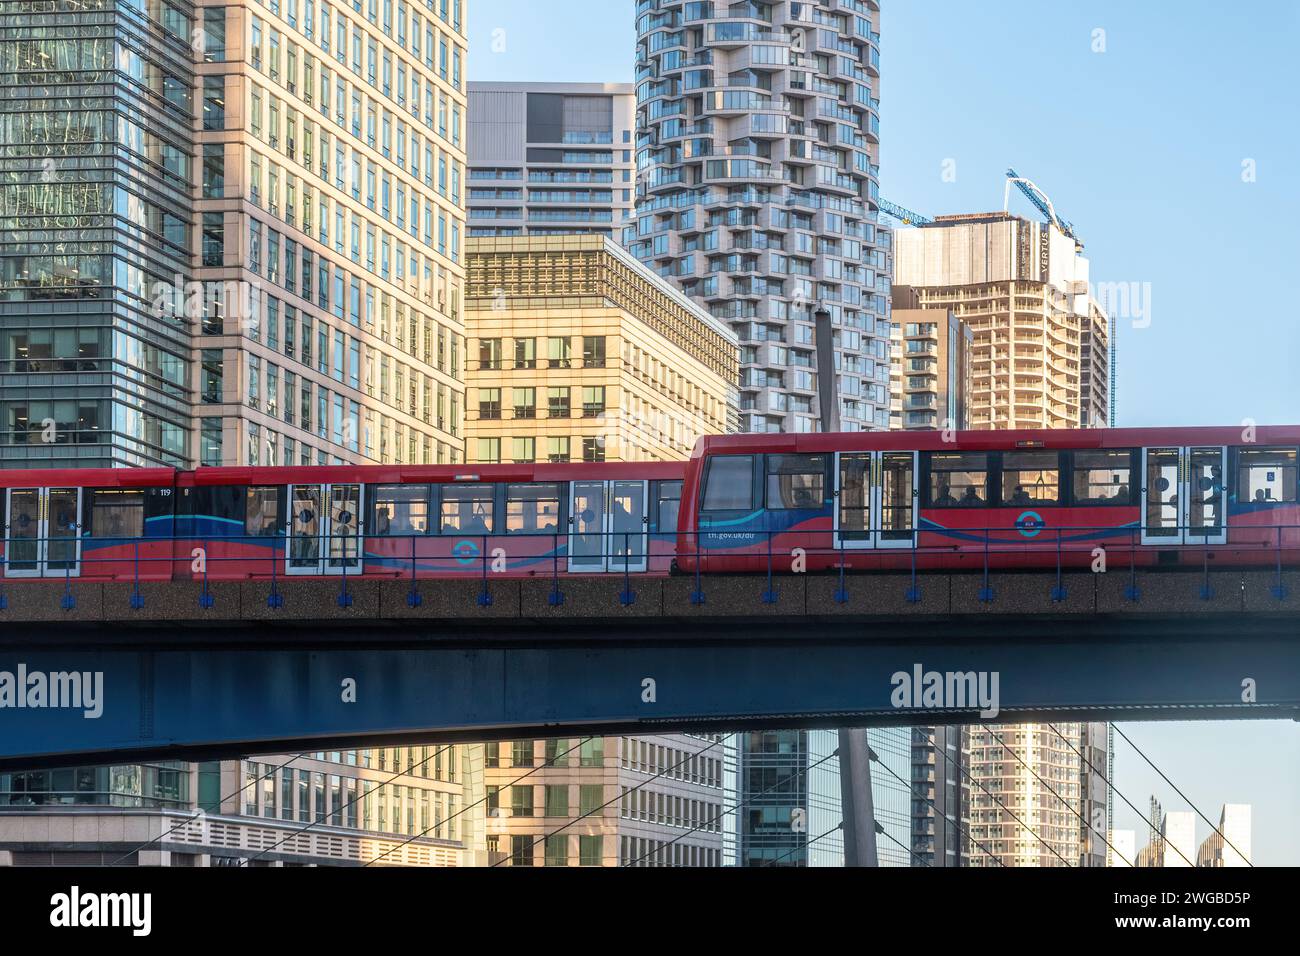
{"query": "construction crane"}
(1040, 201)
(905, 216)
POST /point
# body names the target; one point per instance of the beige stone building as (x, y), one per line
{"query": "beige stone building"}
(1040, 356)
(330, 222)
(930, 366)
(613, 801)
(580, 353)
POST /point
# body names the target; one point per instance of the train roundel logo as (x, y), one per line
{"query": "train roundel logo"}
(465, 552)
(1031, 524)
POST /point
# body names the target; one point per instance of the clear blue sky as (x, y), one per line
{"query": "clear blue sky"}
(1141, 147)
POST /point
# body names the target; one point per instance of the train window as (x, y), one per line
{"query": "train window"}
(400, 509)
(1103, 477)
(855, 496)
(1266, 475)
(116, 513)
(795, 481)
(532, 508)
(959, 480)
(468, 509)
(669, 505)
(1031, 478)
(729, 485)
(261, 511)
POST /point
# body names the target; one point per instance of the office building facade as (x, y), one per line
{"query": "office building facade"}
(551, 158)
(757, 143)
(403, 806)
(1040, 357)
(330, 234)
(614, 801)
(580, 353)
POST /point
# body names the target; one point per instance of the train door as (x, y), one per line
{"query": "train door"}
(323, 531)
(875, 499)
(42, 532)
(1184, 495)
(608, 525)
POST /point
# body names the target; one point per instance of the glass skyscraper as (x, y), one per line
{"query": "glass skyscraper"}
(97, 112)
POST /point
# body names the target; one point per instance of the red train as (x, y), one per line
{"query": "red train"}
(861, 501)
(1016, 499)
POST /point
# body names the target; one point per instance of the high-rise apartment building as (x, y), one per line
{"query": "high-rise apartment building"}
(931, 359)
(580, 353)
(1052, 785)
(941, 794)
(614, 801)
(1040, 357)
(551, 158)
(757, 141)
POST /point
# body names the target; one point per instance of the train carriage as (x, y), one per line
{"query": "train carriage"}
(1011, 499)
(366, 521)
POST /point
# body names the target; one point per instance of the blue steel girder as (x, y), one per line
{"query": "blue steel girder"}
(263, 691)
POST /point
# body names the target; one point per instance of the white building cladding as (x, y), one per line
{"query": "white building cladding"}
(757, 150)
(550, 158)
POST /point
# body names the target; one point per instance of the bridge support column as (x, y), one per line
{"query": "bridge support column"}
(855, 798)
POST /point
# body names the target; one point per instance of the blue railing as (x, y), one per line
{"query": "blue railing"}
(630, 554)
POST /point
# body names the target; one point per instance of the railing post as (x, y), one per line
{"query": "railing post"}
(986, 592)
(275, 599)
(137, 599)
(1058, 592)
(205, 599)
(697, 596)
(414, 599)
(68, 602)
(556, 597)
(770, 595)
(345, 599)
(4, 563)
(485, 596)
(1279, 591)
(913, 594)
(628, 595)
(841, 593)
(1132, 592)
(1207, 592)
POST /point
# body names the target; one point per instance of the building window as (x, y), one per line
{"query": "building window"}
(557, 850)
(593, 351)
(593, 449)
(521, 800)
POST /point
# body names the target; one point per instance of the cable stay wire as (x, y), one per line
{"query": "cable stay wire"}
(546, 762)
(198, 813)
(993, 797)
(685, 760)
(732, 809)
(805, 845)
(1078, 813)
(934, 806)
(299, 831)
(1183, 795)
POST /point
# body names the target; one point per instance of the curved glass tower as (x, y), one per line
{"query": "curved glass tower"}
(757, 152)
